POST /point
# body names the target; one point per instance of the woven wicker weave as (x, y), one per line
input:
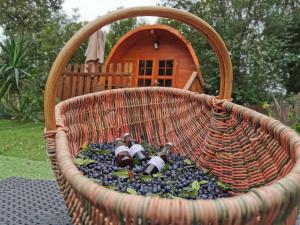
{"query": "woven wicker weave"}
(256, 155)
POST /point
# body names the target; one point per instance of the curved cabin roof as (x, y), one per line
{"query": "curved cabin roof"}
(131, 37)
(138, 45)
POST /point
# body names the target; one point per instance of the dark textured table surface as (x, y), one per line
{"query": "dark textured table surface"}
(33, 202)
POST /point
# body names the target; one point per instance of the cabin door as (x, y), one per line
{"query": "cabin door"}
(155, 71)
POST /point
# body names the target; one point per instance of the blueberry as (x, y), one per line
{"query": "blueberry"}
(204, 196)
(168, 173)
(213, 179)
(167, 188)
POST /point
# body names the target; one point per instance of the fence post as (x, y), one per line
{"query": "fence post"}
(109, 79)
(67, 83)
(74, 80)
(118, 77)
(95, 79)
(87, 80)
(80, 78)
(130, 70)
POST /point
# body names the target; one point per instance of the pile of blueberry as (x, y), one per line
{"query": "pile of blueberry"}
(179, 178)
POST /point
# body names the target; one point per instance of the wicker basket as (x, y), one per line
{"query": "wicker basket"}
(256, 155)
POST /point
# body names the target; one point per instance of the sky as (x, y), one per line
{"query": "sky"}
(91, 9)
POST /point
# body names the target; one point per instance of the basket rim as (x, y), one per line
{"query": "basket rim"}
(101, 196)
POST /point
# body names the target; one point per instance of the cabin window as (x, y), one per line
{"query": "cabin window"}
(165, 72)
(145, 73)
(165, 67)
(165, 82)
(145, 67)
(144, 82)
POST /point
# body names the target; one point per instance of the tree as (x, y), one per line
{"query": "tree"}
(13, 66)
(46, 32)
(30, 16)
(292, 77)
(48, 42)
(14, 69)
(260, 58)
(117, 30)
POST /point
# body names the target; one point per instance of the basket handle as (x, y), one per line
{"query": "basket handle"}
(80, 36)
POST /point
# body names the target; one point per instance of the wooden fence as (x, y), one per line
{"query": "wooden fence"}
(88, 78)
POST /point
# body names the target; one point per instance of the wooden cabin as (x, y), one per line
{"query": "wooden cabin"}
(160, 55)
(145, 56)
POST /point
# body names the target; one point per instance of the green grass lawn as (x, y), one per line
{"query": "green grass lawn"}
(22, 150)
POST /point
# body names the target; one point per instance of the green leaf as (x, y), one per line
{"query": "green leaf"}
(101, 151)
(144, 144)
(146, 178)
(297, 127)
(121, 173)
(136, 161)
(17, 78)
(83, 162)
(131, 191)
(196, 185)
(151, 153)
(149, 194)
(82, 155)
(188, 189)
(84, 146)
(158, 175)
(202, 182)
(183, 195)
(191, 190)
(166, 167)
(189, 166)
(207, 171)
(83, 151)
(159, 194)
(170, 182)
(169, 195)
(223, 186)
(112, 187)
(96, 180)
(187, 161)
